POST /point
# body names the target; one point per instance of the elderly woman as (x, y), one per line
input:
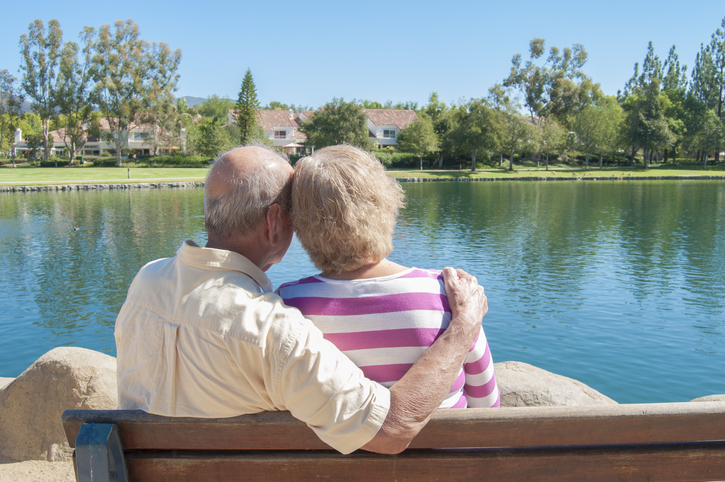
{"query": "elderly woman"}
(383, 316)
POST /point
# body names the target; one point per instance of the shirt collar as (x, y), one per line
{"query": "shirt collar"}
(191, 253)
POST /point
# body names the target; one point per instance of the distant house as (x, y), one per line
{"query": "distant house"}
(282, 126)
(139, 142)
(385, 125)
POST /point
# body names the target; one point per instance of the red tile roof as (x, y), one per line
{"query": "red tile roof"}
(391, 117)
(269, 119)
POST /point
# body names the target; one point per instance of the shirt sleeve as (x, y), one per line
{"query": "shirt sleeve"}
(320, 386)
(481, 388)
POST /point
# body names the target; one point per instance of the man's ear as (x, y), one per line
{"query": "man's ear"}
(274, 223)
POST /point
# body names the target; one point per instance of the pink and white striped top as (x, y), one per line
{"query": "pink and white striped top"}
(385, 324)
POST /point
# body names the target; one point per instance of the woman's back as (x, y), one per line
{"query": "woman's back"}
(384, 324)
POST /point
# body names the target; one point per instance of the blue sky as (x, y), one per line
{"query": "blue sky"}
(309, 52)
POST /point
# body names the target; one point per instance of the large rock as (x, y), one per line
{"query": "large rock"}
(524, 385)
(31, 405)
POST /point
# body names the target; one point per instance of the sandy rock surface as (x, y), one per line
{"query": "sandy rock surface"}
(710, 398)
(35, 471)
(31, 405)
(524, 385)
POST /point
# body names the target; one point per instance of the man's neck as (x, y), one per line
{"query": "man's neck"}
(247, 248)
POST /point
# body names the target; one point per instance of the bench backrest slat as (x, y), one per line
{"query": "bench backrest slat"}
(503, 427)
(660, 462)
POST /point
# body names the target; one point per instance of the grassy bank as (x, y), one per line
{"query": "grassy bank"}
(29, 176)
(667, 171)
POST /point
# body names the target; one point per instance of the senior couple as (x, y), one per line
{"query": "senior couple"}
(363, 353)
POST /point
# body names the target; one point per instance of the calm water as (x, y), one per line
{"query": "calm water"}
(617, 284)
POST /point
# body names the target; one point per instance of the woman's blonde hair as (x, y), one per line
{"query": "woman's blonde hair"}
(344, 208)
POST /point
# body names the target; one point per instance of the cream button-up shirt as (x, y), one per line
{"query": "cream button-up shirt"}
(202, 335)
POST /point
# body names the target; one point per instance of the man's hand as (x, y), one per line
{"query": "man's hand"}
(467, 301)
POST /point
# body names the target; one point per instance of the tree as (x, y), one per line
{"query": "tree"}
(531, 80)
(74, 93)
(159, 100)
(597, 127)
(674, 74)
(34, 142)
(40, 50)
(246, 109)
(210, 139)
(443, 122)
(130, 77)
(674, 87)
(671, 78)
(419, 138)
(588, 125)
(276, 105)
(651, 69)
(10, 102)
(337, 122)
(216, 108)
(553, 138)
(518, 131)
(716, 50)
(609, 133)
(646, 126)
(476, 129)
(164, 116)
(500, 98)
(556, 88)
(711, 135)
(408, 105)
(369, 104)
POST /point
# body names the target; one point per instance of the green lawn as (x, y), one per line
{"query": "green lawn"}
(26, 176)
(563, 172)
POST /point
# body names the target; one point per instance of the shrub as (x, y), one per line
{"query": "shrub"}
(105, 161)
(175, 161)
(52, 161)
(397, 159)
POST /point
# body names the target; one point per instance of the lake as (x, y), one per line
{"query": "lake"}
(618, 284)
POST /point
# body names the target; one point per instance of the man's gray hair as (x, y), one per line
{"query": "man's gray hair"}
(241, 208)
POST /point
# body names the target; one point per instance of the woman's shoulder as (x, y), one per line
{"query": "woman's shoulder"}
(291, 285)
(435, 274)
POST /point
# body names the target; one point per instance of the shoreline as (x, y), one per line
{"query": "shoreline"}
(70, 186)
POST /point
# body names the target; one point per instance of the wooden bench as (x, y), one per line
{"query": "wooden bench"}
(658, 442)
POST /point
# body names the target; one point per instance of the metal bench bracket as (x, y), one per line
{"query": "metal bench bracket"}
(99, 455)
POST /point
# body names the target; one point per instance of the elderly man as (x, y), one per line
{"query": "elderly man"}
(202, 334)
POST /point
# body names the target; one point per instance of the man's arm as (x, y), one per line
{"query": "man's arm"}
(416, 396)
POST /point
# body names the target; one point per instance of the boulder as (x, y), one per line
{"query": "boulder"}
(710, 398)
(31, 406)
(524, 385)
